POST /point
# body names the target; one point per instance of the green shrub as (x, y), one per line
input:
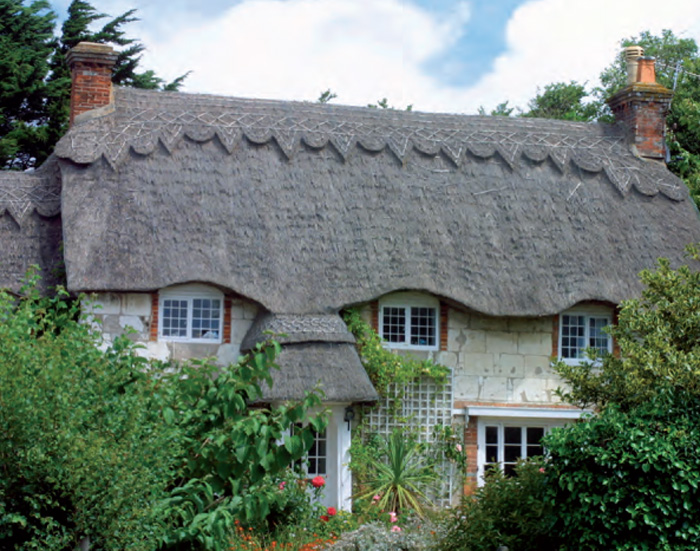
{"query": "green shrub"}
(511, 511)
(136, 455)
(629, 480)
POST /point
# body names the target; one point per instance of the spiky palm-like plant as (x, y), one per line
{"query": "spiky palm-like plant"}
(400, 481)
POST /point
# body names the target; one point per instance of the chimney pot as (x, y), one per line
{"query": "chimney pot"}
(646, 72)
(632, 55)
(91, 77)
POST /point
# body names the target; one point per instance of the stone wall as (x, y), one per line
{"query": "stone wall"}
(113, 313)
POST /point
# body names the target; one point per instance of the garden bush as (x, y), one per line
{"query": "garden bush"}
(629, 480)
(511, 511)
(135, 455)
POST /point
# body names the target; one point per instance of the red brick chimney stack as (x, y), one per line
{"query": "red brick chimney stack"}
(91, 76)
(642, 107)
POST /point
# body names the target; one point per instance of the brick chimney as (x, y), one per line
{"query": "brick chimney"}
(91, 66)
(642, 106)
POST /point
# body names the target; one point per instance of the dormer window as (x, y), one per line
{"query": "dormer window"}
(191, 313)
(408, 320)
(581, 330)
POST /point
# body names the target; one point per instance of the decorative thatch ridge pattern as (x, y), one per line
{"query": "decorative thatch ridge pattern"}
(23, 192)
(30, 225)
(291, 328)
(141, 124)
(308, 208)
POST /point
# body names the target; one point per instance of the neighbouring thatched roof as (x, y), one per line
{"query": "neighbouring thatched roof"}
(30, 225)
(306, 208)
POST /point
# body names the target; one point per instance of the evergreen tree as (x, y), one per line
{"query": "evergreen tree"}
(26, 44)
(77, 28)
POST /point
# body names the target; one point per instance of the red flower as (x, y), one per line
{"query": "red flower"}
(318, 482)
(331, 511)
(324, 518)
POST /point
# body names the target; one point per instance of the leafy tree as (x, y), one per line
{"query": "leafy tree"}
(326, 96)
(501, 110)
(134, 454)
(26, 43)
(563, 101)
(628, 478)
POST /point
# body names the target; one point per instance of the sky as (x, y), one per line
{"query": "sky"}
(438, 55)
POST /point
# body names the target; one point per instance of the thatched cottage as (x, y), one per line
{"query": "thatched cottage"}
(487, 243)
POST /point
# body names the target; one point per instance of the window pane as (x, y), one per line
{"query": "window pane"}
(423, 322)
(206, 318)
(513, 435)
(491, 454)
(512, 453)
(596, 337)
(573, 336)
(394, 324)
(174, 318)
(534, 435)
(492, 435)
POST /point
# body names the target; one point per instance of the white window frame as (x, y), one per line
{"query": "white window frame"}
(409, 301)
(588, 312)
(189, 293)
(501, 424)
(315, 455)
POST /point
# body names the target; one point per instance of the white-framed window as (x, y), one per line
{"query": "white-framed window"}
(410, 320)
(314, 463)
(506, 434)
(502, 442)
(581, 329)
(191, 313)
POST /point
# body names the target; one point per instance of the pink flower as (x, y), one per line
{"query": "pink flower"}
(393, 517)
(318, 482)
(458, 447)
(331, 511)
(395, 528)
(376, 498)
(541, 469)
(282, 485)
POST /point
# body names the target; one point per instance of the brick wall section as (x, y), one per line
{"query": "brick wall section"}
(471, 448)
(91, 77)
(444, 309)
(153, 332)
(227, 320)
(374, 314)
(642, 108)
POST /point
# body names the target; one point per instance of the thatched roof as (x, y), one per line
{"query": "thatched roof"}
(334, 368)
(317, 351)
(306, 208)
(30, 225)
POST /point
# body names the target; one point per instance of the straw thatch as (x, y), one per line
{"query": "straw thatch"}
(317, 352)
(333, 368)
(306, 208)
(30, 225)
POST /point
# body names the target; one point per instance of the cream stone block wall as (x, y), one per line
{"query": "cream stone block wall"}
(500, 360)
(118, 313)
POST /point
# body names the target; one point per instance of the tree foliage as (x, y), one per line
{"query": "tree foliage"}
(563, 101)
(629, 477)
(26, 45)
(132, 454)
(35, 80)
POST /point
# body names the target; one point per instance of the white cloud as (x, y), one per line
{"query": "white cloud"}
(361, 49)
(368, 49)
